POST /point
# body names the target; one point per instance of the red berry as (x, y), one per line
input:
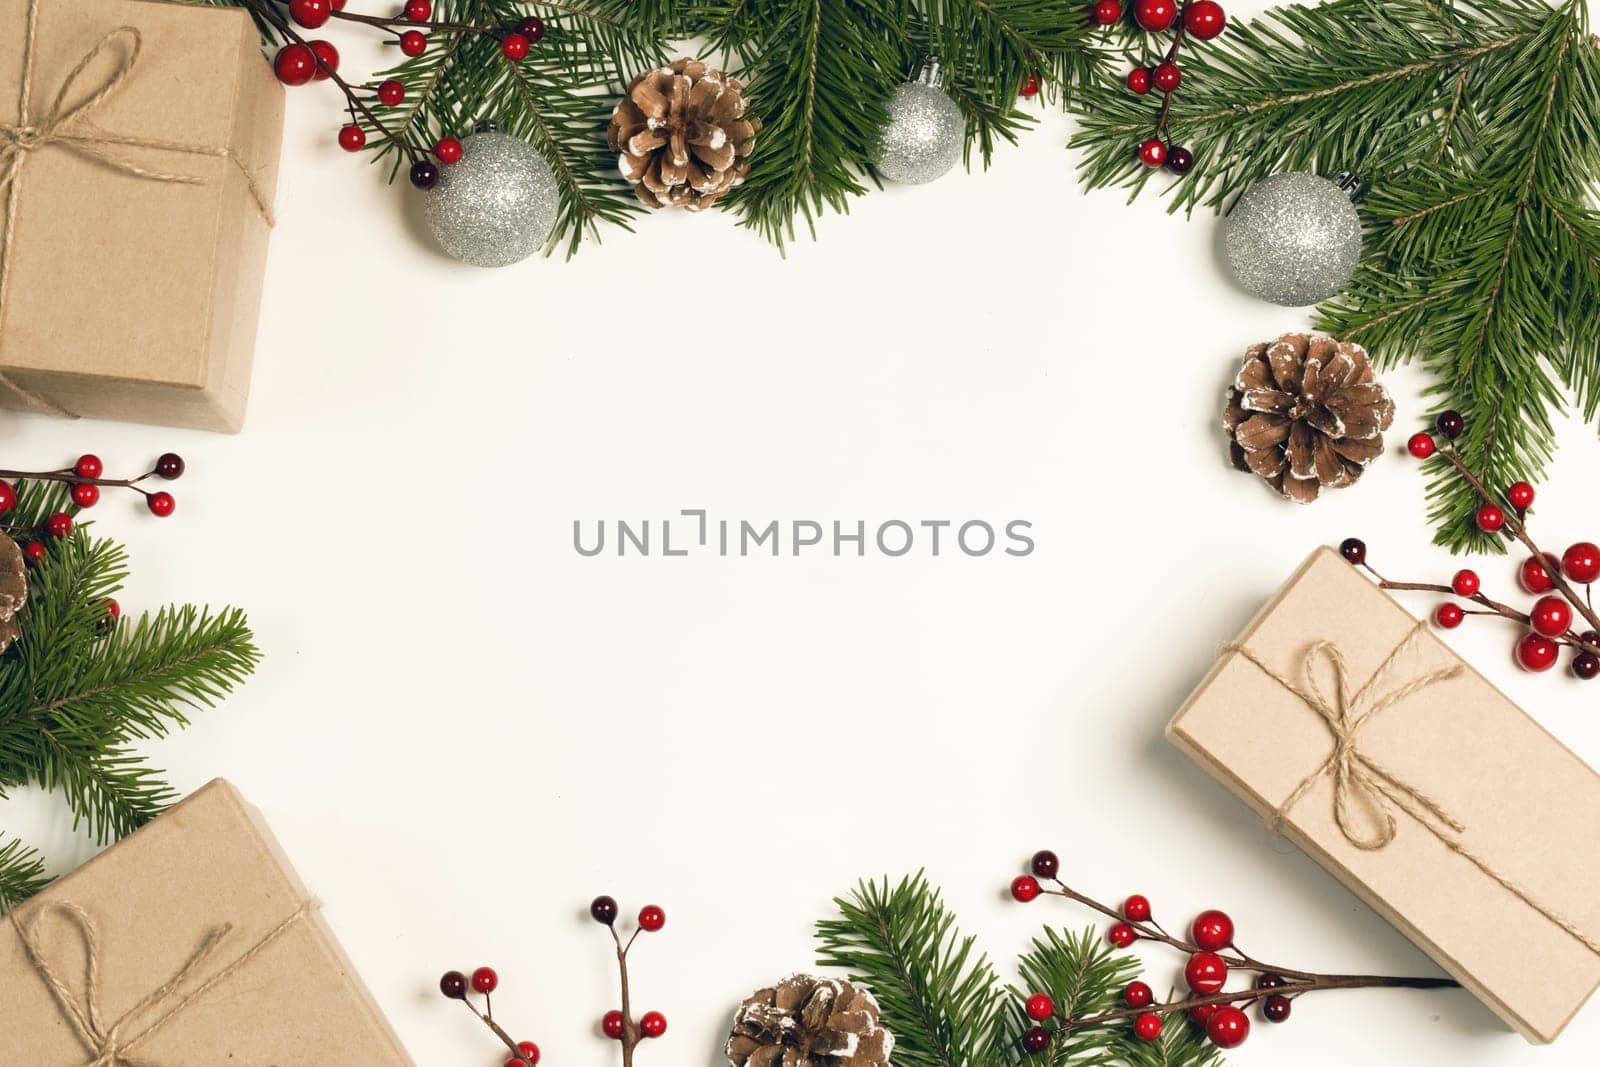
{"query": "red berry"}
(413, 43)
(161, 504)
(531, 27)
(338, 5)
(1136, 909)
(1204, 19)
(329, 57)
(651, 918)
(59, 525)
(1581, 562)
(1551, 616)
(448, 150)
(1206, 973)
(1521, 495)
(1138, 995)
(1449, 616)
(295, 64)
(1035, 1041)
(1212, 930)
(530, 1054)
(514, 47)
(419, 10)
(8, 497)
(86, 495)
(484, 980)
(1045, 864)
(1534, 575)
(1106, 12)
(1586, 665)
(1147, 1027)
(1029, 86)
(1490, 518)
(310, 13)
(1465, 582)
(1139, 80)
(1167, 77)
(1040, 1007)
(170, 466)
(1155, 15)
(612, 1025)
(1276, 1009)
(1228, 1027)
(1536, 653)
(453, 984)
(34, 550)
(89, 466)
(1153, 153)
(352, 138)
(1202, 1014)
(1421, 445)
(113, 609)
(1024, 888)
(652, 1024)
(1121, 935)
(603, 909)
(391, 92)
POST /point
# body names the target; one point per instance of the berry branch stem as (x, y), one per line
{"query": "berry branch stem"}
(400, 24)
(630, 1029)
(488, 1020)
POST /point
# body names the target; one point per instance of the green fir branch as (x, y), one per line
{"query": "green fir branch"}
(22, 873)
(1083, 976)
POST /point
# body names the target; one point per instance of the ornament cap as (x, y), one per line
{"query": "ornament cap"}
(930, 73)
(1349, 181)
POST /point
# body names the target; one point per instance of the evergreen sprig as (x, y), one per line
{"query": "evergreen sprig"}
(76, 693)
(944, 1002)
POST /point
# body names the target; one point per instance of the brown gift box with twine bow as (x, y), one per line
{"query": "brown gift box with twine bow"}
(190, 944)
(138, 158)
(1417, 784)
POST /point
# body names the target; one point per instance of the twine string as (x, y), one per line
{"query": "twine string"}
(107, 1044)
(1361, 782)
(68, 127)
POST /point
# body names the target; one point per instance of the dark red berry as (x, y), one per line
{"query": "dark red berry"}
(1521, 495)
(603, 909)
(1153, 153)
(1490, 518)
(1551, 616)
(1045, 864)
(1276, 1009)
(86, 495)
(1465, 582)
(413, 43)
(1167, 77)
(424, 175)
(1121, 935)
(1271, 981)
(531, 27)
(1586, 665)
(484, 980)
(295, 64)
(170, 466)
(1138, 995)
(1024, 888)
(161, 504)
(453, 984)
(1537, 653)
(1136, 909)
(447, 150)
(1421, 445)
(1106, 12)
(34, 550)
(612, 1025)
(1451, 424)
(651, 918)
(1155, 15)
(89, 466)
(59, 525)
(1354, 550)
(1212, 930)
(1204, 19)
(391, 92)
(1228, 1027)
(8, 497)
(1180, 160)
(1147, 1027)
(419, 10)
(1035, 1041)
(1206, 973)
(652, 1024)
(1581, 562)
(352, 138)
(1139, 80)
(1449, 616)
(310, 13)
(327, 59)
(514, 47)
(1040, 1007)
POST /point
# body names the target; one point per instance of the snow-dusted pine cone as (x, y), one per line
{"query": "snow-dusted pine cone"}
(13, 590)
(682, 135)
(805, 1021)
(1306, 414)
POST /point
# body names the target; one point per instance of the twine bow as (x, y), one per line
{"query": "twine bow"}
(109, 1045)
(65, 125)
(1360, 782)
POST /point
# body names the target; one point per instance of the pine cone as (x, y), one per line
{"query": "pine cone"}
(807, 1021)
(682, 134)
(1306, 413)
(13, 590)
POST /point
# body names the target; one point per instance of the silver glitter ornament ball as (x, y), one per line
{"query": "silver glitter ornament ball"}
(1293, 239)
(926, 133)
(496, 205)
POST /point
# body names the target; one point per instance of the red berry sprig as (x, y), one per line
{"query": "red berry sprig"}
(484, 981)
(620, 1025)
(1200, 19)
(1561, 617)
(1212, 961)
(86, 477)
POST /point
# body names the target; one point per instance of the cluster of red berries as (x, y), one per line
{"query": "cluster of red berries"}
(86, 478)
(484, 982)
(615, 1024)
(1560, 616)
(1201, 19)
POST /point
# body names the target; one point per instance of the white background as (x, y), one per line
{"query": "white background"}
(463, 731)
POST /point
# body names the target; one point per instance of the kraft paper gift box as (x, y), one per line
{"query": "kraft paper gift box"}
(206, 950)
(1417, 784)
(138, 159)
